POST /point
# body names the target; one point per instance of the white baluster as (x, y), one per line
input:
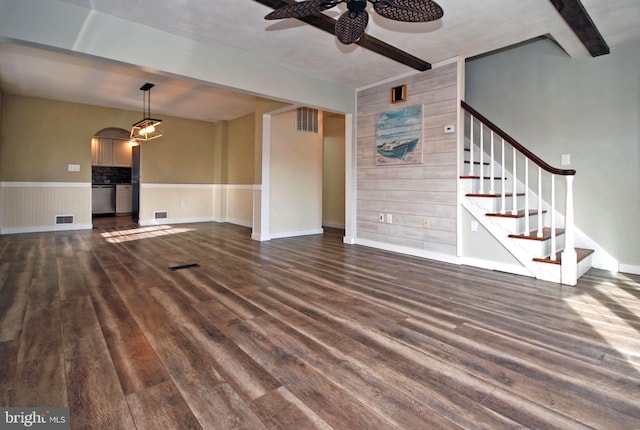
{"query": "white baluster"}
(527, 227)
(492, 186)
(540, 223)
(504, 183)
(514, 188)
(569, 257)
(471, 139)
(481, 158)
(553, 219)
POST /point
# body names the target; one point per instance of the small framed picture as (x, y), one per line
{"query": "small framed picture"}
(399, 94)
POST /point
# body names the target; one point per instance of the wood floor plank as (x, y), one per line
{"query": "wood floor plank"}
(40, 382)
(9, 359)
(305, 332)
(213, 402)
(95, 397)
(162, 407)
(135, 360)
(13, 304)
(333, 404)
(238, 369)
(371, 388)
(280, 409)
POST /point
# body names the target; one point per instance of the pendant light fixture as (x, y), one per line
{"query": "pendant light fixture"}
(149, 128)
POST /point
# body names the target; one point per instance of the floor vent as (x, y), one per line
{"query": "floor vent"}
(184, 266)
(161, 215)
(64, 219)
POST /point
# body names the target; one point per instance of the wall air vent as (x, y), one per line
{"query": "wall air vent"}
(65, 219)
(160, 215)
(307, 120)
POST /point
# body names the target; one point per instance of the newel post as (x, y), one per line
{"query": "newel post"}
(569, 257)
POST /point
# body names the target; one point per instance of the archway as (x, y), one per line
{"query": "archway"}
(115, 190)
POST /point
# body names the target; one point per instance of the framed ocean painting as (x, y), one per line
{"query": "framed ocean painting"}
(399, 136)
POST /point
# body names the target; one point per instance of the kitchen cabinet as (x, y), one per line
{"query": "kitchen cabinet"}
(122, 153)
(110, 152)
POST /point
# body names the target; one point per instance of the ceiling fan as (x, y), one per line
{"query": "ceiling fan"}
(351, 24)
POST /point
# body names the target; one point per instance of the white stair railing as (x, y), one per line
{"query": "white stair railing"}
(520, 154)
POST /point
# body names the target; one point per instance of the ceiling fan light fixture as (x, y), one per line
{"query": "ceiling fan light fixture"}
(351, 24)
(148, 128)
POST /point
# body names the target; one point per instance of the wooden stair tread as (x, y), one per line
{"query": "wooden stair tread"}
(581, 252)
(533, 235)
(519, 214)
(492, 195)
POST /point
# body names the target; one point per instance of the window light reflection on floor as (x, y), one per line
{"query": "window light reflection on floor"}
(119, 236)
(600, 316)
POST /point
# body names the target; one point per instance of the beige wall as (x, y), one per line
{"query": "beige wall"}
(411, 193)
(184, 155)
(41, 137)
(220, 149)
(241, 142)
(333, 171)
(296, 178)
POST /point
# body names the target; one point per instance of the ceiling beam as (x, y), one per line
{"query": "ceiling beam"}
(580, 22)
(328, 24)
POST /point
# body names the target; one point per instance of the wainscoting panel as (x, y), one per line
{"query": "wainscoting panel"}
(183, 203)
(34, 206)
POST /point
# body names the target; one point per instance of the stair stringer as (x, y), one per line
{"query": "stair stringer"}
(536, 270)
(600, 259)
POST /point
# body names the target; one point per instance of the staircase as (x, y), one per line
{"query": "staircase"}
(496, 183)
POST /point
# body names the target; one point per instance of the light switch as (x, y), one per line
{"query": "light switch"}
(566, 159)
(73, 167)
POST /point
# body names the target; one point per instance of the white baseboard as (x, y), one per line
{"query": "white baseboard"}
(431, 255)
(493, 265)
(296, 233)
(333, 224)
(45, 228)
(148, 222)
(239, 222)
(629, 268)
(260, 237)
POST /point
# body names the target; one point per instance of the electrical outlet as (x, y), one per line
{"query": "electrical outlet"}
(474, 225)
(389, 219)
(380, 217)
(425, 222)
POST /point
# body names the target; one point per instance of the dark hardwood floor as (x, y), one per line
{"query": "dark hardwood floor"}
(305, 333)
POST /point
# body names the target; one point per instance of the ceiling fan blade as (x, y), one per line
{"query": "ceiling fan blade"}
(302, 8)
(409, 10)
(351, 25)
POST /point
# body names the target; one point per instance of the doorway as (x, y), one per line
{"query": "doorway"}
(112, 197)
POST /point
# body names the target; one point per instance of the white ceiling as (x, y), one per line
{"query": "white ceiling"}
(468, 28)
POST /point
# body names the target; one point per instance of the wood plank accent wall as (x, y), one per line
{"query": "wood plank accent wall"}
(410, 193)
